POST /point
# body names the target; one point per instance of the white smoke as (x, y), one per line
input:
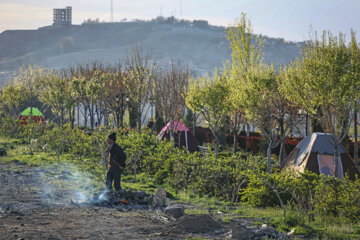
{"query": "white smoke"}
(63, 184)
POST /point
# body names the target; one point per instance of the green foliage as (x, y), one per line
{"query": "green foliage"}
(10, 127)
(245, 47)
(11, 99)
(82, 144)
(260, 189)
(310, 193)
(293, 219)
(336, 198)
(211, 98)
(325, 83)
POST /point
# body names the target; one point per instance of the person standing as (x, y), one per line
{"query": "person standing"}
(116, 162)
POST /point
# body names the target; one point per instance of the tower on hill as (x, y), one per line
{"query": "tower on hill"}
(62, 16)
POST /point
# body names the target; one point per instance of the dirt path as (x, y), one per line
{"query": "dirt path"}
(31, 207)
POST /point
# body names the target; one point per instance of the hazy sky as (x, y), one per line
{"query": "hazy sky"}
(289, 19)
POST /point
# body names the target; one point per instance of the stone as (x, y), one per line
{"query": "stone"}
(197, 223)
(175, 211)
(241, 232)
(159, 198)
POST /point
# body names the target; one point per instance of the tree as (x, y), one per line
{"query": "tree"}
(28, 79)
(56, 92)
(210, 97)
(170, 86)
(140, 69)
(78, 91)
(87, 84)
(116, 92)
(321, 84)
(354, 74)
(246, 53)
(95, 89)
(11, 98)
(260, 104)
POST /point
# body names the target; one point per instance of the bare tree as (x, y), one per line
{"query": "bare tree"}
(170, 87)
(140, 69)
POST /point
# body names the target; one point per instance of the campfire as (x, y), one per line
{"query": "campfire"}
(123, 200)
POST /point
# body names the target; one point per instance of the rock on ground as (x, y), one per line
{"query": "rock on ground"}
(175, 211)
(197, 223)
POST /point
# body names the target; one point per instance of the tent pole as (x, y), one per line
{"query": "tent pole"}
(186, 140)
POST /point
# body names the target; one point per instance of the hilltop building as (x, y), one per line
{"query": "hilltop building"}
(62, 16)
(201, 23)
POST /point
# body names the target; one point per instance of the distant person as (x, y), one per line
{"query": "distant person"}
(116, 161)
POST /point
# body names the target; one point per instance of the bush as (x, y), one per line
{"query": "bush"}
(338, 198)
(293, 220)
(261, 188)
(229, 177)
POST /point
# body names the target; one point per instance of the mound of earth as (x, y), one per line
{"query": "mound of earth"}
(197, 223)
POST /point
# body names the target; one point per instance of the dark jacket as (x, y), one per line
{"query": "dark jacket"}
(118, 155)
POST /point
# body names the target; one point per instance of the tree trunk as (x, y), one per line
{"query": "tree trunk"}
(282, 150)
(73, 118)
(268, 158)
(92, 116)
(132, 116)
(194, 126)
(356, 144)
(280, 201)
(282, 141)
(315, 124)
(85, 116)
(117, 119)
(235, 141)
(122, 119)
(248, 130)
(172, 136)
(216, 143)
(336, 160)
(106, 119)
(139, 121)
(78, 115)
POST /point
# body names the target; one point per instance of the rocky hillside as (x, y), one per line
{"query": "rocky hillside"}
(202, 47)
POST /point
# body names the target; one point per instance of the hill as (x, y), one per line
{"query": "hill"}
(202, 47)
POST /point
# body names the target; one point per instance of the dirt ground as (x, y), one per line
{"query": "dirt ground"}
(29, 210)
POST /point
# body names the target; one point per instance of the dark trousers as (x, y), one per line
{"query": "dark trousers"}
(114, 173)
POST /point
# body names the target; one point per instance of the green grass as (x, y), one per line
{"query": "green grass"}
(324, 227)
(196, 211)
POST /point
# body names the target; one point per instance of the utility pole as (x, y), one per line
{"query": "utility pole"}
(111, 12)
(180, 9)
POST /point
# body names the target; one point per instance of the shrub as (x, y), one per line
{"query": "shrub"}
(337, 197)
(262, 188)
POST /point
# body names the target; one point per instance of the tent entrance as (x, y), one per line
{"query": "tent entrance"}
(327, 165)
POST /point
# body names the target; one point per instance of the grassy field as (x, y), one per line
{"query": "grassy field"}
(318, 228)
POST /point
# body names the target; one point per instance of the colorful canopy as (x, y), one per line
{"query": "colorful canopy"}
(178, 126)
(35, 112)
(183, 136)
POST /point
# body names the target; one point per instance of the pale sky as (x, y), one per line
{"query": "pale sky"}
(289, 19)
